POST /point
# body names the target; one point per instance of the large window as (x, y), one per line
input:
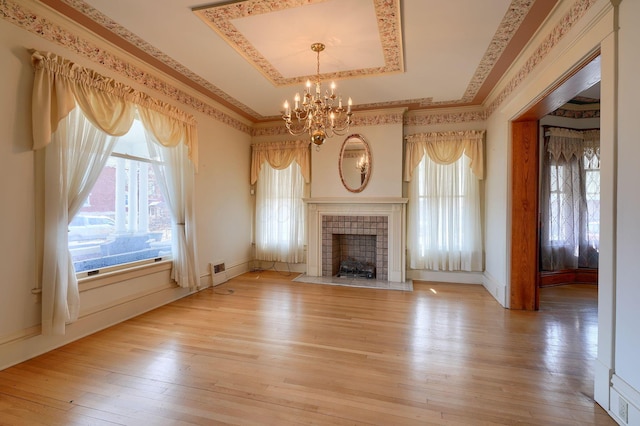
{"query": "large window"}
(444, 217)
(570, 200)
(280, 218)
(125, 218)
(77, 117)
(444, 170)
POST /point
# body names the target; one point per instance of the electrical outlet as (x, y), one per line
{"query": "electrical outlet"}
(623, 410)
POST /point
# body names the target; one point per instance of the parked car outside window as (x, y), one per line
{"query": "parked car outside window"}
(85, 227)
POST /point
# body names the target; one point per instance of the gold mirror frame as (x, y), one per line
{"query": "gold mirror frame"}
(354, 163)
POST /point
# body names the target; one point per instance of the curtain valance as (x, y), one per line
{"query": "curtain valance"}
(569, 143)
(60, 85)
(280, 155)
(445, 148)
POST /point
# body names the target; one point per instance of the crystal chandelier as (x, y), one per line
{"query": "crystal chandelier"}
(317, 114)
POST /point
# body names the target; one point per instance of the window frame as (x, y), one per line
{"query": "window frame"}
(112, 270)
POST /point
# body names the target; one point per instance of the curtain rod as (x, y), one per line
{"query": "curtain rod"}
(548, 126)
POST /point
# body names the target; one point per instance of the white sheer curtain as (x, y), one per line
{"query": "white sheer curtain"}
(174, 173)
(65, 96)
(444, 219)
(279, 170)
(73, 162)
(569, 205)
(280, 214)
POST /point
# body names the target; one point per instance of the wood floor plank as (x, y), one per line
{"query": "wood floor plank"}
(261, 349)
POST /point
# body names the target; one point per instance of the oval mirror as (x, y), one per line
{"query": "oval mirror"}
(355, 163)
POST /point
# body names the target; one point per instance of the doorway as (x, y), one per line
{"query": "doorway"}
(569, 241)
(525, 195)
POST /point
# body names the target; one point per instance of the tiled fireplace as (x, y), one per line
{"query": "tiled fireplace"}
(362, 238)
(371, 228)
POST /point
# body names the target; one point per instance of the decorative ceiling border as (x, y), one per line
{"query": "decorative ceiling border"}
(40, 26)
(576, 114)
(106, 22)
(364, 119)
(30, 21)
(219, 17)
(420, 118)
(509, 25)
(575, 13)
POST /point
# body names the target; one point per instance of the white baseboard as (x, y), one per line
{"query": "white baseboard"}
(279, 266)
(238, 269)
(495, 288)
(22, 349)
(445, 277)
(624, 394)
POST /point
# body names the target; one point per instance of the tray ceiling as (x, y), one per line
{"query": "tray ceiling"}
(252, 55)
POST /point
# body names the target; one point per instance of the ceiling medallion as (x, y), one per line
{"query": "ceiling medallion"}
(317, 114)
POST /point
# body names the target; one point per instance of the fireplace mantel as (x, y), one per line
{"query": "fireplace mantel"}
(391, 207)
(359, 200)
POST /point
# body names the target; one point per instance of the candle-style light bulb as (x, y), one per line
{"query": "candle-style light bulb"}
(286, 107)
(297, 100)
(349, 105)
(333, 87)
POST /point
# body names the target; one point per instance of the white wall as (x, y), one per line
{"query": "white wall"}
(497, 207)
(385, 142)
(627, 295)
(223, 203)
(18, 307)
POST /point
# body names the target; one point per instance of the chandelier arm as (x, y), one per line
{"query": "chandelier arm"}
(296, 131)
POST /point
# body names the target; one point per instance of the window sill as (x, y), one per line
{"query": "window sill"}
(112, 277)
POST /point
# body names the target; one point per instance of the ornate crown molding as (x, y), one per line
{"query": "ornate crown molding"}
(576, 12)
(48, 30)
(106, 22)
(389, 21)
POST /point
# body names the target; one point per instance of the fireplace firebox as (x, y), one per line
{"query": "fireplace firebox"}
(360, 238)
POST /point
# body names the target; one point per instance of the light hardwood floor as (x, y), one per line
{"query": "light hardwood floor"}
(263, 350)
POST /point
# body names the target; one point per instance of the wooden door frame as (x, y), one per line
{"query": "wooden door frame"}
(524, 215)
(524, 275)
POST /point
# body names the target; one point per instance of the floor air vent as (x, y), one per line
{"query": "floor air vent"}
(218, 272)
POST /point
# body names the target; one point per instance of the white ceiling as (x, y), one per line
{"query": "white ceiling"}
(450, 52)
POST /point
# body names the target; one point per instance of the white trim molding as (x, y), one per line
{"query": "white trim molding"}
(393, 208)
